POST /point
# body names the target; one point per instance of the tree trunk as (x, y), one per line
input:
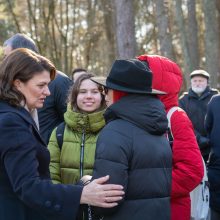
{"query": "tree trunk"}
(109, 21)
(125, 31)
(165, 39)
(218, 17)
(211, 41)
(14, 16)
(183, 38)
(193, 35)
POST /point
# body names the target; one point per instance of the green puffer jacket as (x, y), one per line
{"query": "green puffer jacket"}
(65, 163)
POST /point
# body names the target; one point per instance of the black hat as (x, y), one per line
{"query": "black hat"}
(132, 76)
(202, 73)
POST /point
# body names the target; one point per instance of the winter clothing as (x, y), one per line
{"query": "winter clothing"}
(196, 107)
(133, 150)
(27, 192)
(215, 215)
(51, 114)
(187, 168)
(65, 164)
(140, 84)
(212, 124)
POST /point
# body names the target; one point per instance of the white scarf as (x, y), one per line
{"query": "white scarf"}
(34, 115)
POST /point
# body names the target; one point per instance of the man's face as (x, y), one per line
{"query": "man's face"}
(199, 84)
(7, 50)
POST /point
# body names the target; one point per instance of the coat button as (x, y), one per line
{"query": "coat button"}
(57, 207)
(47, 204)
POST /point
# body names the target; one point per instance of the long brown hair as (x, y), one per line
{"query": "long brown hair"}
(21, 64)
(74, 91)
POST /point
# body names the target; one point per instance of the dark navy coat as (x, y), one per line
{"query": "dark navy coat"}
(134, 151)
(212, 124)
(26, 191)
(196, 108)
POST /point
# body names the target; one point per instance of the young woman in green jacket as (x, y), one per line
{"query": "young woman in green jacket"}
(83, 121)
(74, 157)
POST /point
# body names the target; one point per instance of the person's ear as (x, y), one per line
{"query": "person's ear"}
(17, 84)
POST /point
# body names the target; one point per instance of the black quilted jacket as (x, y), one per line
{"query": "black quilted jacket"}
(133, 150)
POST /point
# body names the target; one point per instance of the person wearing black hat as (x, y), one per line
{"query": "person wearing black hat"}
(194, 103)
(132, 147)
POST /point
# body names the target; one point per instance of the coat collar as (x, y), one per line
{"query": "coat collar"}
(146, 112)
(206, 93)
(90, 123)
(23, 113)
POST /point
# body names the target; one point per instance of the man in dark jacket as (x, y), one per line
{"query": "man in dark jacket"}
(51, 115)
(194, 103)
(132, 147)
(212, 124)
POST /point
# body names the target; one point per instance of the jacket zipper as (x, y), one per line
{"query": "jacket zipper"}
(82, 153)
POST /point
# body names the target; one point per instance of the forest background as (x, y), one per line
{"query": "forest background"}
(91, 34)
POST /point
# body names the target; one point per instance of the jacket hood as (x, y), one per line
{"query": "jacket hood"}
(147, 112)
(91, 122)
(167, 77)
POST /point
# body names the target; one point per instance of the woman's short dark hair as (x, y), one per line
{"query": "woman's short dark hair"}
(74, 91)
(21, 64)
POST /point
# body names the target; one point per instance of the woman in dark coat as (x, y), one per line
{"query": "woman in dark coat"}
(26, 191)
(132, 147)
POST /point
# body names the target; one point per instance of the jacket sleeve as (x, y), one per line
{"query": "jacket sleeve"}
(19, 156)
(54, 158)
(187, 170)
(112, 156)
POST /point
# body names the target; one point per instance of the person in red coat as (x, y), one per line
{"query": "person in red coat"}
(187, 168)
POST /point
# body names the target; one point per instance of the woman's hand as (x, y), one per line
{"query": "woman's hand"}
(103, 195)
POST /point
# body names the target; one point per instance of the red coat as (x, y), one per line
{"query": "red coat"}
(187, 169)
